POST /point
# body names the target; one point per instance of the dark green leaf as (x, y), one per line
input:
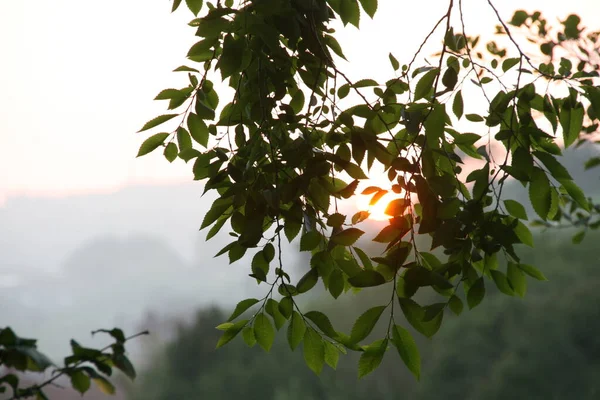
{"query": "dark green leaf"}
(509, 63)
(425, 84)
(152, 143)
(502, 283)
(310, 240)
(476, 293)
(308, 281)
(457, 105)
(241, 307)
(370, 7)
(347, 237)
(198, 129)
(194, 5)
(578, 237)
(322, 322)
(367, 278)
(350, 12)
(171, 152)
(157, 121)
(540, 193)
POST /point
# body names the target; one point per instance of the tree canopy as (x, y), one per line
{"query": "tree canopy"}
(292, 137)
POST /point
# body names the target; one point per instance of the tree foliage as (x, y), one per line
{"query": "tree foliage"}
(297, 136)
(293, 137)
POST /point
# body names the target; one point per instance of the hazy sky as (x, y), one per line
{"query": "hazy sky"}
(78, 77)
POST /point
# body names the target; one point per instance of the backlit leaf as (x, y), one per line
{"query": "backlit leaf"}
(407, 348)
(365, 323)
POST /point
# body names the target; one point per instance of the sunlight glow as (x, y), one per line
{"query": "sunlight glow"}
(377, 211)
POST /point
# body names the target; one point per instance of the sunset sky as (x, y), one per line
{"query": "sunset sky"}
(78, 77)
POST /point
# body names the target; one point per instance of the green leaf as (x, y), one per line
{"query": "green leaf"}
(365, 323)
(123, 363)
(476, 293)
(176, 4)
(194, 5)
(455, 304)
(540, 193)
(241, 307)
(272, 308)
(157, 121)
(524, 234)
(152, 143)
(80, 381)
(371, 358)
(366, 278)
(578, 237)
(576, 193)
(171, 152)
(231, 331)
(286, 306)
(184, 68)
(332, 354)
(458, 105)
(394, 62)
(532, 271)
(264, 331)
(198, 129)
(314, 351)
(509, 63)
(592, 162)
(183, 138)
(355, 171)
(515, 209)
(557, 170)
(349, 12)
(571, 121)
(425, 84)
(517, 280)
(248, 336)
(474, 117)
(296, 330)
(502, 283)
(297, 102)
(322, 322)
(310, 240)
(347, 237)
(104, 385)
(407, 348)
(308, 281)
(370, 7)
(336, 283)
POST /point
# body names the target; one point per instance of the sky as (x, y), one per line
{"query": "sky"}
(78, 77)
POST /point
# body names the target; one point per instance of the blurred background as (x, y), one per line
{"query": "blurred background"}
(91, 237)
